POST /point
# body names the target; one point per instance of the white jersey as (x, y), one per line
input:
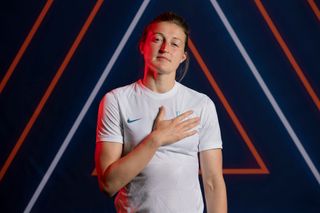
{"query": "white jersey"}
(169, 182)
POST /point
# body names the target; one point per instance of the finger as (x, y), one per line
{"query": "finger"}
(183, 116)
(190, 126)
(192, 122)
(161, 114)
(188, 134)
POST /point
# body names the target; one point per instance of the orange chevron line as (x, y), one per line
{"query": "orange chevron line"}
(314, 8)
(288, 53)
(263, 169)
(50, 88)
(25, 45)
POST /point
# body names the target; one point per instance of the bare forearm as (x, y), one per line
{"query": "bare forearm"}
(122, 171)
(216, 197)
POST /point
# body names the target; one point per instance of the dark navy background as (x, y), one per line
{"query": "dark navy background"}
(289, 187)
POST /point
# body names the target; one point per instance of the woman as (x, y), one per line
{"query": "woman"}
(149, 133)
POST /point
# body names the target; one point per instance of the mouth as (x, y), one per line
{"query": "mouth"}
(163, 58)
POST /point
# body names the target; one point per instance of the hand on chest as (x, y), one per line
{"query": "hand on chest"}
(139, 118)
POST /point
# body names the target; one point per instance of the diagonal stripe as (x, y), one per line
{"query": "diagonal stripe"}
(314, 8)
(48, 92)
(25, 45)
(266, 91)
(86, 106)
(288, 53)
(263, 169)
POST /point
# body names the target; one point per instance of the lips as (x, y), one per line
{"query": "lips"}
(163, 58)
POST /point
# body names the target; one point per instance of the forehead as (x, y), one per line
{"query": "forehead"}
(168, 29)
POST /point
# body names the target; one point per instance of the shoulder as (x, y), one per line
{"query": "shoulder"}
(123, 91)
(118, 95)
(199, 97)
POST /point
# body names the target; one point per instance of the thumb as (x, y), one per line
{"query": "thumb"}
(159, 117)
(161, 114)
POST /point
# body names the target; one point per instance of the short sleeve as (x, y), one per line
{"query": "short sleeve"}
(209, 132)
(109, 127)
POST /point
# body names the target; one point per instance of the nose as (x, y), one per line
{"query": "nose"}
(164, 47)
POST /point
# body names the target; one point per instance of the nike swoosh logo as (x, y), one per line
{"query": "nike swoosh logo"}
(131, 121)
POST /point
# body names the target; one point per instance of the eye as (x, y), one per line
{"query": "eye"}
(157, 39)
(175, 44)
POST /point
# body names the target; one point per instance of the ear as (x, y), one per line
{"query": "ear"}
(184, 57)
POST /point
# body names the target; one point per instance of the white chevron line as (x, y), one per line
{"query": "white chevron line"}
(86, 106)
(266, 91)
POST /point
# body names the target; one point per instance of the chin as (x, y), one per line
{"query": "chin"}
(161, 68)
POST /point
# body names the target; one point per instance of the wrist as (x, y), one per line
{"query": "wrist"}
(155, 139)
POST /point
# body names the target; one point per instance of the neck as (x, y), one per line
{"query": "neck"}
(159, 83)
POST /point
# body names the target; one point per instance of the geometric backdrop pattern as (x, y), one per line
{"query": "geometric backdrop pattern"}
(258, 60)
